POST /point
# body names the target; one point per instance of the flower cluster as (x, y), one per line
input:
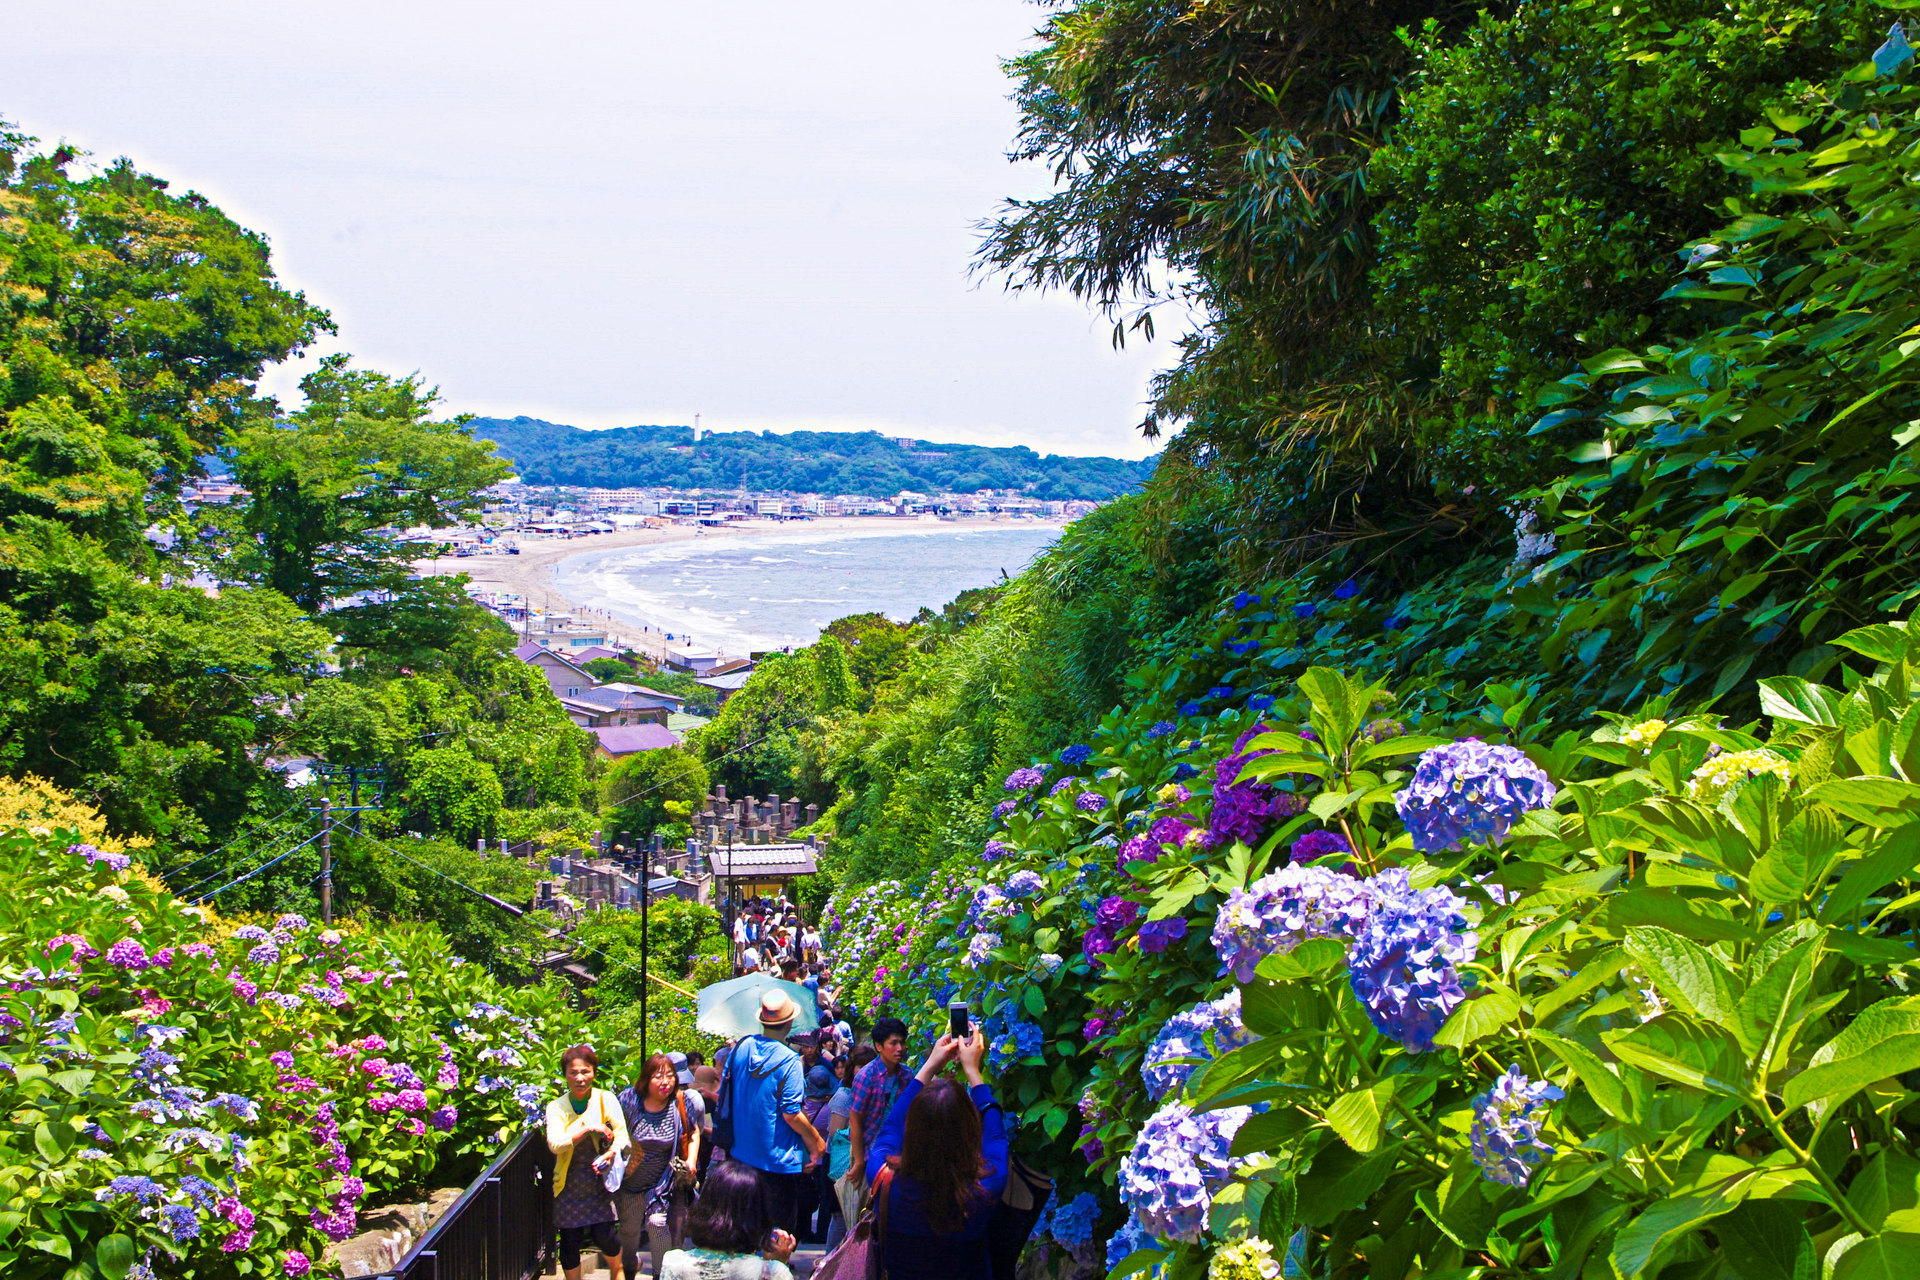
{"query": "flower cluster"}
(1279, 911)
(1404, 961)
(1506, 1127)
(1250, 1258)
(1191, 1038)
(1026, 779)
(1316, 845)
(1180, 1159)
(1074, 1222)
(1111, 916)
(1722, 775)
(1470, 792)
(1242, 810)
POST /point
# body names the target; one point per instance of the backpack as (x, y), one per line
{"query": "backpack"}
(723, 1105)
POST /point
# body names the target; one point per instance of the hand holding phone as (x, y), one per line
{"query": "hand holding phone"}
(957, 1021)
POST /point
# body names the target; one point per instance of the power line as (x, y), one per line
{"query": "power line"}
(188, 892)
(264, 822)
(257, 870)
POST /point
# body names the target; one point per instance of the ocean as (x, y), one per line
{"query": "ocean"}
(775, 590)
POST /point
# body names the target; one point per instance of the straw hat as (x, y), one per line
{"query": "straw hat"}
(777, 1009)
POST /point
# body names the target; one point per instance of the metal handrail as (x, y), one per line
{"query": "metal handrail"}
(501, 1227)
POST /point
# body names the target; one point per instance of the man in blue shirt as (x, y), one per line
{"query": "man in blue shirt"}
(766, 1089)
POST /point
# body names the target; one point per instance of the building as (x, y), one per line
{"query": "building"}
(728, 677)
(619, 703)
(615, 741)
(564, 676)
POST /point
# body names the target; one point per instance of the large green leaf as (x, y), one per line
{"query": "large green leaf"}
(1599, 1077)
(1769, 1012)
(1360, 1117)
(1800, 701)
(114, 1255)
(1703, 920)
(1767, 1240)
(1342, 1179)
(1799, 859)
(1883, 1041)
(1689, 1053)
(1479, 1017)
(1891, 1256)
(1889, 1184)
(1689, 976)
(1893, 858)
(1645, 1239)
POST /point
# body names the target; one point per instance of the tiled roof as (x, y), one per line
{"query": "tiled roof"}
(625, 739)
(750, 861)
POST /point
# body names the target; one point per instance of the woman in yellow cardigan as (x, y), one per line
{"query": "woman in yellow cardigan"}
(587, 1131)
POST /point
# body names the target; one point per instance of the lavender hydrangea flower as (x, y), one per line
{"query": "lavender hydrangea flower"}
(1279, 911)
(1316, 845)
(1004, 808)
(127, 954)
(978, 947)
(1179, 1160)
(1025, 779)
(251, 933)
(995, 850)
(1403, 964)
(143, 1189)
(264, 954)
(1506, 1127)
(1190, 1038)
(1090, 802)
(1470, 792)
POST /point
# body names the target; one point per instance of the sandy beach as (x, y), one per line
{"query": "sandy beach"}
(530, 574)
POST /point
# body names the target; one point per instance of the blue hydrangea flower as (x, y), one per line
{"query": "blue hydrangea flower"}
(1260, 701)
(1191, 1038)
(1160, 729)
(1346, 590)
(1179, 1160)
(1303, 611)
(1279, 911)
(1220, 691)
(1130, 1239)
(994, 850)
(1077, 754)
(1470, 792)
(1074, 1222)
(1189, 708)
(141, 1188)
(1183, 771)
(182, 1225)
(1403, 964)
(1392, 624)
(1241, 648)
(1242, 599)
(1157, 935)
(1506, 1127)
(1022, 884)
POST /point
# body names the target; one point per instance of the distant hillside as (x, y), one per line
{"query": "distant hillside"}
(863, 462)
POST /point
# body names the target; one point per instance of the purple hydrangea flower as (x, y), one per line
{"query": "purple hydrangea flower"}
(1060, 786)
(295, 1264)
(1403, 964)
(1097, 1024)
(1160, 729)
(995, 850)
(1004, 808)
(1172, 830)
(1179, 1160)
(1316, 845)
(1076, 755)
(1470, 792)
(1241, 810)
(1025, 779)
(1116, 913)
(1138, 849)
(444, 1118)
(143, 1189)
(1090, 802)
(1190, 1038)
(128, 954)
(1157, 935)
(1506, 1127)
(1279, 911)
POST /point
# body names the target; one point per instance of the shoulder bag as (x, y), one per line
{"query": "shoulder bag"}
(862, 1255)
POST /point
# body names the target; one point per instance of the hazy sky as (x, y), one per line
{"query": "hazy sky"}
(610, 213)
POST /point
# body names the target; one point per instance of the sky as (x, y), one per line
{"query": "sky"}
(616, 213)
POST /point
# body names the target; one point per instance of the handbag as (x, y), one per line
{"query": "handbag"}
(1015, 1217)
(723, 1107)
(862, 1255)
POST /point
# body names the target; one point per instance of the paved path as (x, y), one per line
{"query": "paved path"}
(592, 1268)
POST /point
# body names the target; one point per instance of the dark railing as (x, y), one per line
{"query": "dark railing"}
(501, 1227)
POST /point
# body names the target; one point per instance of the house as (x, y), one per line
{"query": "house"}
(693, 661)
(619, 703)
(728, 677)
(565, 676)
(593, 653)
(614, 741)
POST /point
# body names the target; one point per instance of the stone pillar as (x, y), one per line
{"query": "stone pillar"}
(813, 814)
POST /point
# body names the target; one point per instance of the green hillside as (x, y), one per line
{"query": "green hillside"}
(857, 462)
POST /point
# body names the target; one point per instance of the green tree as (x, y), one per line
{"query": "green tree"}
(609, 670)
(330, 483)
(451, 793)
(654, 792)
(833, 676)
(876, 648)
(346, 723)
(754, 745)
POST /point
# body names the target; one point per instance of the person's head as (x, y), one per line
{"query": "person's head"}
(861, 1057)
(577, 1064)
(696, 1059)
(777, 1012)
(790, 969)
(657, 1077)
(819, 1082)
(890, 1041)
(732, 1214)
(819, 971)
(682, 1069)
(941, 1151)
(706, 1079)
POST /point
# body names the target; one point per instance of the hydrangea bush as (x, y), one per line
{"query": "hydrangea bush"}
(1451, 997)
(186, 1097)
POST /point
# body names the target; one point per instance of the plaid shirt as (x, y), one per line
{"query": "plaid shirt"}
(874, 1091)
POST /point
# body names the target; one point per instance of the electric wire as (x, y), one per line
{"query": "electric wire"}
(257, 870)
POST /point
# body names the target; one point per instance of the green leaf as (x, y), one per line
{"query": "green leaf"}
(1343, 1179)
(1644, 1239)
(1312, 958)
(1478, 1018)
(1884, 1040)
(1869, 800)
(49, 1242)
(114, 1255)
(1799, 859)
(1033, 1000)
(1279, 1213)
(1882, 641)
(1892, 859)
(1891, 1256)
(1700, 1057)
(52, 1140)
(1701, 920)
(1686, 973)
(1889, 1184)
(1767, 1240)
(1598, 1077)
(1769, 1013)
(1360, 1117)
(1801, 701)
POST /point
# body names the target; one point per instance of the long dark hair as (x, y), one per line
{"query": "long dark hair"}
(731, 1215)
(941, 1151)
(850, 1066)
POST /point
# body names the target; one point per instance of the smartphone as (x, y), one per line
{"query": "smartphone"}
(957, 1025)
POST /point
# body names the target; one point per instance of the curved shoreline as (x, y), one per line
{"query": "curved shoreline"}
(531, 574)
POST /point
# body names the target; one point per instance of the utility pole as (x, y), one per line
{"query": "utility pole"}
(326, 855)
(646, 970)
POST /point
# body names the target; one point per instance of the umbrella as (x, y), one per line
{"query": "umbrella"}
(732, 1008)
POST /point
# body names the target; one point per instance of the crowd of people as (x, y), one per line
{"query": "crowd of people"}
(720, 1171)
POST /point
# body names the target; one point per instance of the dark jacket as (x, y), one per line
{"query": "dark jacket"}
(914, 1251)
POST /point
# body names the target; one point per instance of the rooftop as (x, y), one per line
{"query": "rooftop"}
(625, 739)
